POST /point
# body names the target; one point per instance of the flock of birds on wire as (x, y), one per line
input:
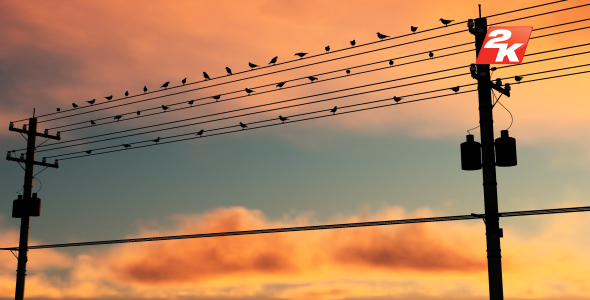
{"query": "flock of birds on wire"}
(252, 66)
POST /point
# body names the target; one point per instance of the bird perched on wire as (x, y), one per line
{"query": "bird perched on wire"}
(92, 122)
(249, 91)
(200, 133)
(413, 28)
(183, 81)
(228, 70)
(333, 110)
(397, 99)
(381, 36)
(58, 109)
(243, 125)
(88, 152)
(74, 105)
(126, 146)
(300, 54)
(164, 107)
(327, 48)
(273, 60)
(252, 66)
(347, 72)
(353, 42)
(391, 62)
(283, 119)
(430, 54)
(216, 97)
(312, 78)
(138, 112)
(91, 101)
(455, 89)
(206, 76)
(165, 85)
(126, 93)
(156, 140)
(280, 84)
(518, 78)
(109, 97)
(145, 89)
(191, 102)
(118, 117)
(446, 22)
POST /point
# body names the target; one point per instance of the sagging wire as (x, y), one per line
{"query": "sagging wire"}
(498, 101)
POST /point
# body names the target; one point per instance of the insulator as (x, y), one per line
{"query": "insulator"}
(505, 150)
(507, 87)
(498, 82)
(9, 154)
(470, 23)
(472, 68)
(44, 160)
(57, 162)
(470, 154)
(58, 134)
(24, 126)
(11, 125)
(22, 156)
(46, 131)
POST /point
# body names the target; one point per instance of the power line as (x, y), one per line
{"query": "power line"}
(338, 77)
(311, 228)
(328, 53)
(313, 118)
(283, 101)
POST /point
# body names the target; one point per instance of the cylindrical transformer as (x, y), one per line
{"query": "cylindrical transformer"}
(470, 154)
(505, 150)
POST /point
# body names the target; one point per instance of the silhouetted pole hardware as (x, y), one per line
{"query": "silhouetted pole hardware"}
(471, 159)
(28, 204)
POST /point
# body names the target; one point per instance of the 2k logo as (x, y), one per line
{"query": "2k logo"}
(504, 45)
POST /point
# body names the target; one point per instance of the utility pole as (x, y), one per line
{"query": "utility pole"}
(28, 205)
(492, 220)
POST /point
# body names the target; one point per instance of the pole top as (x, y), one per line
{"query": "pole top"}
(479, 5)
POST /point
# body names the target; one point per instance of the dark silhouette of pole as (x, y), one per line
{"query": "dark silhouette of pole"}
(21, 271)
(490, 192)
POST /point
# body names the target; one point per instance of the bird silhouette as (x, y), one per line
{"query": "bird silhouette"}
(252, 66)
(118, 117)
(216, 97)
(273, 60)
(183, 81)
(413, 28)
(243, 125)
(381, 36)
(91, 101)
(518, 78)
(280, 84)
(353, 42)
(164, 107)
(138, 112)
(391, 62)
(283, 119)
(228, 70)
(191, 102)
(312, 79)
(347, 72)
(327, 48)
(58, 109)
(156, 140)
(430, 54)
(397, 99)
(300, 54)
(109, 97)
(165, 85)
(126, 93)
(144, 89)
(126, 146)
(88, 152)
(446, 22)
(455, 89)
(75, 105)
(206, 76)
(249, 91)
(200, 133)
(92, 122)
(333, 110)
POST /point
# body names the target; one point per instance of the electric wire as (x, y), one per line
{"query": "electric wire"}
(331, 52)
(379, 49)
(311, 228)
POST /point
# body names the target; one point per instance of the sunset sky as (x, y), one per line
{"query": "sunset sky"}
(401, 161)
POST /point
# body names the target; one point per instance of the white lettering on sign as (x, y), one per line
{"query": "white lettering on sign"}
(503, 49)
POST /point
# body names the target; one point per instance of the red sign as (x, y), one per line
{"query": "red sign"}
(504, 45)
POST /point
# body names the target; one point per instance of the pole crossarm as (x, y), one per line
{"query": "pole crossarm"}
(39, 163)
(47, 136)
(309, 228)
